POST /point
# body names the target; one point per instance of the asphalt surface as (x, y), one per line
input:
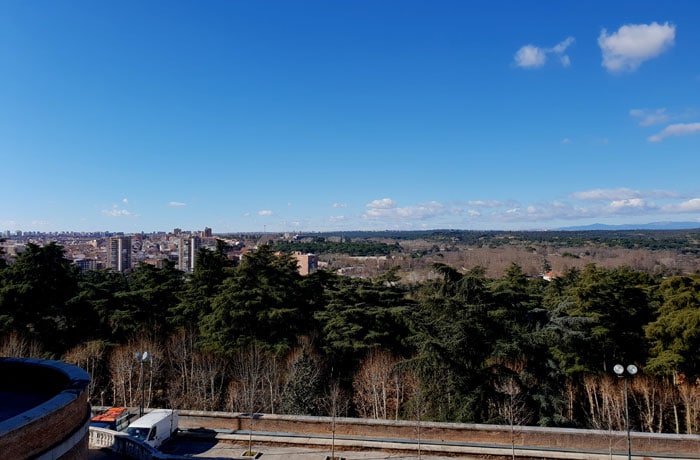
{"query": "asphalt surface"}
(225, 450)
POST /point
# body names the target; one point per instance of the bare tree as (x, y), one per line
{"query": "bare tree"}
(650, 401)
(13, 344)
(417, 402)
(513, 408)
(689, 393)
(246, 390)
(336, 402)
(125, 375)
(606, 405)
(379, 386)
(198, 378)
(90, 356)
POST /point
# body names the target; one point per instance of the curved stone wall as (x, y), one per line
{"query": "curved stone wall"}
(46, 411)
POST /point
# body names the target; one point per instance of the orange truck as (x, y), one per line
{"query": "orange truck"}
(114, 418)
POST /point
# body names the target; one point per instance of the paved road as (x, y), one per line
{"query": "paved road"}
(224, 450)
(220, 450)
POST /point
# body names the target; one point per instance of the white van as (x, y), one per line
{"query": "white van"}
(155, 427)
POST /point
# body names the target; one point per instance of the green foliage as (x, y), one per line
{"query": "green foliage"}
(259, 302)
(675, 334)
(452, 335)
(210, 270)
(359, 315)
(303, 391)
(466, 335)
(352, 248)
(35, 296)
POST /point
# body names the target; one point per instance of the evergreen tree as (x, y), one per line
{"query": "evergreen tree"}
(35, 292)
(260, 302)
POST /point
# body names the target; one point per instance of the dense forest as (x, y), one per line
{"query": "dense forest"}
(255, 336)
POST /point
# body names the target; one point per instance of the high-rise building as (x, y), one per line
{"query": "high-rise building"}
(207, 232)
(119, 253)
(306, 263)
(188, 253)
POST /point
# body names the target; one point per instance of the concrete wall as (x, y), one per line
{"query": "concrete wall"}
(56, 428)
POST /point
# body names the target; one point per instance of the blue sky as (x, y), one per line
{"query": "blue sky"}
(346, 115)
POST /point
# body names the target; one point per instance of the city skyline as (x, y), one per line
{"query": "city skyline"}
(329, 116)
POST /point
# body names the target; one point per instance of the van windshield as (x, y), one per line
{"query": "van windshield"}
(138, 433)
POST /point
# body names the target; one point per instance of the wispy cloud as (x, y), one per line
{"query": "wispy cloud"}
(265, 212)
(679, 129)
(485, 203)
(617, 194)
(605, 194)
(586, 205)
(115, 212)
(692, 205)
(386, 208)
(176, 204)
(339, 205)
(118, 211)
(531, 56)
(632, 44)
(384, 203)
(632, 204)
(650, 117)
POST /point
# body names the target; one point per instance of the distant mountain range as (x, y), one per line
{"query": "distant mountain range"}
(649, 226)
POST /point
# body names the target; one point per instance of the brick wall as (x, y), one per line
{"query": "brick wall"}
(668, 444)
(59, 424)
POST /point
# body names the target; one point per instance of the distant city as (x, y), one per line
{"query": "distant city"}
(121, 252)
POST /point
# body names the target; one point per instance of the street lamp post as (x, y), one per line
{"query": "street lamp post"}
(631, 369)
(142, 358)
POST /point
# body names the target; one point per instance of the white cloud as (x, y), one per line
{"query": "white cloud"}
(387, 209)
(265, 212)
(125, 201)
(531, 56)
(617, 194)
(692, 205)
(473, 213)
(606, 194)
(116, 212)
(176, 204)
(337, 218)
(566, 140)
(680, 129)
(384, 203)
(560, 47)
(485, 203)
(633, 203)
(632, 44)
(650, 117)
(339, 205)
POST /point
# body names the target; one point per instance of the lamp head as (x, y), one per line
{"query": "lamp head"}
(618, 369)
